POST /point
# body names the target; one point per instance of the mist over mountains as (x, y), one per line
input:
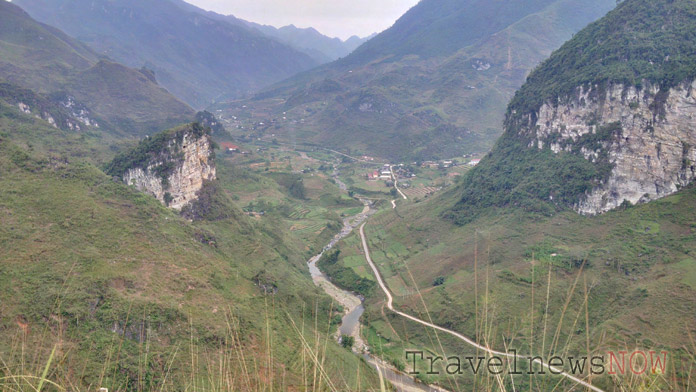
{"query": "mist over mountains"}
(433, 85)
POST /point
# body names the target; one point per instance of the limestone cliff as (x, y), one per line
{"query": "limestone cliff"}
(648, 136)
(172, 166)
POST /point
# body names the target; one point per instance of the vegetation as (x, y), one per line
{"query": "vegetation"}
(46, 60)
(212, 204)
(199, 58)
(415, 91)
(292, 183)
(347, 341)
(536, 180)
(498, 267)
(160, 150)
(640, 41)
(344, 277)
(108, 288)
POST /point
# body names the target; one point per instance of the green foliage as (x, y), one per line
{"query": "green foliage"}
(641, 40)
(115, 272)
(439, 281)
(343, 276)
(168, 198)
(536, 180)
(161, 150)
(347, 341)
(212, 204)
(292, 183)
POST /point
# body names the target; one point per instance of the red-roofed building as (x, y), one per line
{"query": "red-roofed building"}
(229, 147)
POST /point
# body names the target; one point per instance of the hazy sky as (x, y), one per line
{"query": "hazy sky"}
(335, 18)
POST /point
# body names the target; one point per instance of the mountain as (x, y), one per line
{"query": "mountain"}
(40, 58)
(575, 235)
(433, 85)
(604, 122)
(197, 58)
(321, 48)
(312, 42)
(107, 286)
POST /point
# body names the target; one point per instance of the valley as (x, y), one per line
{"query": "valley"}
(487, 196)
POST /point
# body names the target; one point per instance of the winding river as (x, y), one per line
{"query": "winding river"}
(353, 307)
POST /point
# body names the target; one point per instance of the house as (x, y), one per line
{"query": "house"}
(229, 147)
(474, 162)
(374, 176)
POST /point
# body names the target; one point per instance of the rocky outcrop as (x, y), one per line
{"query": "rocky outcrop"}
(59, 109)
(647, 135)
(172, 166)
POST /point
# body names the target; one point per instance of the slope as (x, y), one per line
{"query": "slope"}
(103, 286)
(321, 48)
(432, 86)
(524, 281)
(197, 58)
(312, 42)
(44, 59)
(600, 122)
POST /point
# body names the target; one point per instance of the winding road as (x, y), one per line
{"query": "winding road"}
(457, 335)
(396, 186)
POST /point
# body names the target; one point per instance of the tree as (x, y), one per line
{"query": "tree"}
(347, 341)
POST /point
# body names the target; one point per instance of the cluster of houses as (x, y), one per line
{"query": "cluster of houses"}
(382, 174)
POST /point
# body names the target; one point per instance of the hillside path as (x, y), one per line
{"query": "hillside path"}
(457, 335)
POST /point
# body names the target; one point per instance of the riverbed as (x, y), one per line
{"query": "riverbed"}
(353, 307)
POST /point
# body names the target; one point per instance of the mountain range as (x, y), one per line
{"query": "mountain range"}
(308, 40)
(575, 234)
(433, 85)
(197, 58)
(148, 247)
(68, 73)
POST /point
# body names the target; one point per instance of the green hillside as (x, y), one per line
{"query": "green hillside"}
(105, 287)
(434, 85)
(45, 60)
(517, 280)
(198, 58)
(639, 42)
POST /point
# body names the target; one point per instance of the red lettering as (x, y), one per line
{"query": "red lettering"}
(621, 366)
(662, 363)
(631, 362)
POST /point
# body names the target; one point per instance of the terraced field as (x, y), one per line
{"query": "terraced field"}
(416, 192)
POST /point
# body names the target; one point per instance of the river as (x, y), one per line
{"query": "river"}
(353, 307)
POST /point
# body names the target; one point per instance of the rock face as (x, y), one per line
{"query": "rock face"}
(176, 172)
(647, 135)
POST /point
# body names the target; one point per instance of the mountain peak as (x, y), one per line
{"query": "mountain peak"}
(603, 122)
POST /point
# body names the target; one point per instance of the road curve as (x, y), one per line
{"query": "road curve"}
(459, 336)
(396, 186)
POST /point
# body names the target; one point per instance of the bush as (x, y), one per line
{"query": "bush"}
(347, 341)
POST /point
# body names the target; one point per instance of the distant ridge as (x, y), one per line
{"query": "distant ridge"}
(46, 60)
(198, 58)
